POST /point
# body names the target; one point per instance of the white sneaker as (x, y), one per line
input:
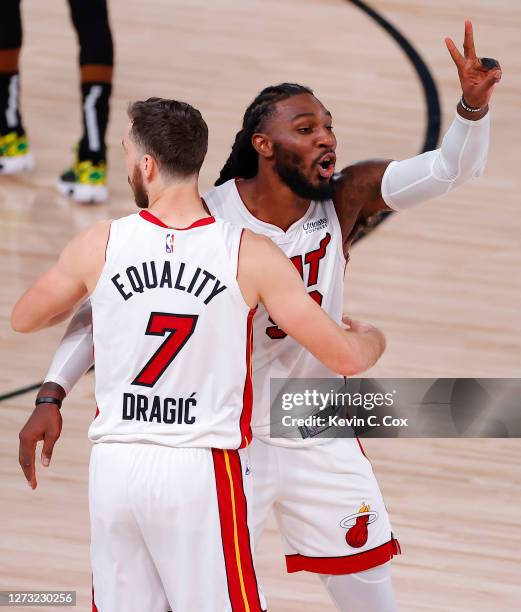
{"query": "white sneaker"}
(14, 154)
(84, 182)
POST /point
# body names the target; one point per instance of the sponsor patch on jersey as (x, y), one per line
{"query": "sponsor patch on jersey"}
(314, 225)
(170, 243)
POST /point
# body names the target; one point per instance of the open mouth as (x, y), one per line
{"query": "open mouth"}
(326, 165)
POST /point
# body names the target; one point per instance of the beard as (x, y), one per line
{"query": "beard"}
(287, 167)
(138, 189)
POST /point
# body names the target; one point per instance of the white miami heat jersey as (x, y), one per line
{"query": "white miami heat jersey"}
(314, 245)
(172, 336)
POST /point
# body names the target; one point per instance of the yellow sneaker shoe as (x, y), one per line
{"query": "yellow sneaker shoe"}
(14, 154)
(85, 181)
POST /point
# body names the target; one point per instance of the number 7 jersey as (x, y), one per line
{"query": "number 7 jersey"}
(172, 336)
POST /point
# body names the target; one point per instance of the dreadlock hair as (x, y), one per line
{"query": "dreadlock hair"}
(244, 160)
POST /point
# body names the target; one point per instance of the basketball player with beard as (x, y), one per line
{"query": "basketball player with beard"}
(280, 181)
(174, 292)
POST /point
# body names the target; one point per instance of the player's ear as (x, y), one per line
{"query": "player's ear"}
(148, 167)
(263, 144)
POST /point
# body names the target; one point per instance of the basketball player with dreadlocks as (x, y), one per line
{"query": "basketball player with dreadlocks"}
(280, 181)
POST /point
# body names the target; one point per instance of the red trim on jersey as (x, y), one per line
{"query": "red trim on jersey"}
(148, 216)
(240, 574)
(94, 609)
(344, 565)
(247, 395)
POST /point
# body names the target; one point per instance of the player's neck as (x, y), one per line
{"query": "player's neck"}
(177, 204)
(272, 201)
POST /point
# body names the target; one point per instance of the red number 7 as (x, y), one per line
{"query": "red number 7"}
(181, 327)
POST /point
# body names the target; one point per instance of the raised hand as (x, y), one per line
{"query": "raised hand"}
(477, 76)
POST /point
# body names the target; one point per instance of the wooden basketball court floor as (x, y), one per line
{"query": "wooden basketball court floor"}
(442, 281)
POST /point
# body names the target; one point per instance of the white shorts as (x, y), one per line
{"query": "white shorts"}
(327, 503)
(169, 530)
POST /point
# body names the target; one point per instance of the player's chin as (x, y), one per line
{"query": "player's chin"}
(322, 188)
(321, 182)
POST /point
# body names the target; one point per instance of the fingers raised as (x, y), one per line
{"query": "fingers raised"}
(454, 53)
(468, 41)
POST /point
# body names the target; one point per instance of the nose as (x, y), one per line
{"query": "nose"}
(326, 139)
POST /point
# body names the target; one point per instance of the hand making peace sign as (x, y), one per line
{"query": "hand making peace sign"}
(477, 76)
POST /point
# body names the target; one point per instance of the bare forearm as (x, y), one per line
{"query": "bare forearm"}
(363, 351)
(346, 352)
(48, 302)
(66, 284)
(26, 320)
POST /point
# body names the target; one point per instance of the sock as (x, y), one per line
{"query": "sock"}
(95, 104)
(10, 119)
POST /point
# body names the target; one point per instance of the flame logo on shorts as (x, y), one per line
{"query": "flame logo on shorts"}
(356, 525)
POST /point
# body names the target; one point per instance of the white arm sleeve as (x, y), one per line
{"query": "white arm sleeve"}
(74, 355)
(463, 155)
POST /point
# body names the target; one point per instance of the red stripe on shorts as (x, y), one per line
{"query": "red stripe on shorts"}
(242, 583)
(349, 564)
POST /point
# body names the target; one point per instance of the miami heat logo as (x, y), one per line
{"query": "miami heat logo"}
(356, 525)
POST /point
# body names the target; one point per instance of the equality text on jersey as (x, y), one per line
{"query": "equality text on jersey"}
(178, 276)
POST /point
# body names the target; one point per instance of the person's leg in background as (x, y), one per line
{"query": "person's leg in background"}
(14, 150)
(85, 181)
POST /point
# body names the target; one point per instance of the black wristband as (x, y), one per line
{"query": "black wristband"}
(48, 400)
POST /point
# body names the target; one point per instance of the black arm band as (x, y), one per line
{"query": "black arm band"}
(48, 400)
